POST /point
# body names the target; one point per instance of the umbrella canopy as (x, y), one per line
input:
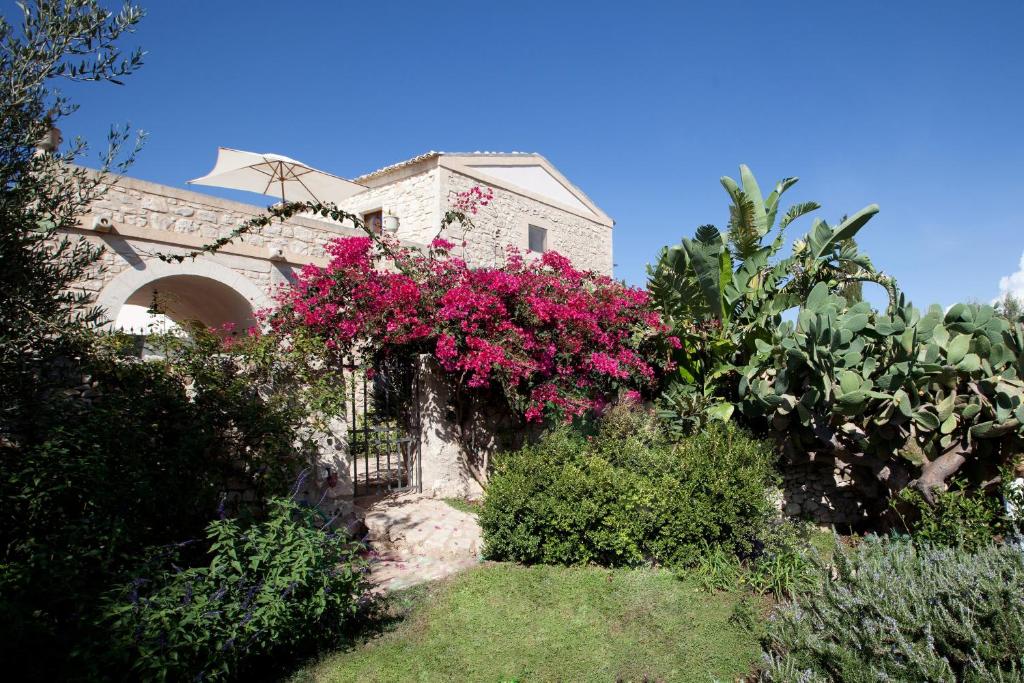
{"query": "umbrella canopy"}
(277, 176)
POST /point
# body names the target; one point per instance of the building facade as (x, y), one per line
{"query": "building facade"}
(534, 208)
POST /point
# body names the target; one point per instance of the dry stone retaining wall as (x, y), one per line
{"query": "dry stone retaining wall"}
(828, 492)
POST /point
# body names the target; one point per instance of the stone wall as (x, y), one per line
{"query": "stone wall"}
(829, 492)
(412, 195)
(445, 468)
(507, 218)
(149, 218)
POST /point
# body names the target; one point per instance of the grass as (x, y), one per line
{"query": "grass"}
(505, 622)
(463, 505)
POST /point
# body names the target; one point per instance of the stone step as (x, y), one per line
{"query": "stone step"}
(416, 538)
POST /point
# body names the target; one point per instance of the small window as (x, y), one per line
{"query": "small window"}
(374, 221)
(538, 239)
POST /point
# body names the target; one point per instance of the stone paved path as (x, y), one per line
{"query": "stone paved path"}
(414, 539)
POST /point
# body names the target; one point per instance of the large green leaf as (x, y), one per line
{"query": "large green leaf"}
(721, 411)
(926, 420)
(771, 202)
(992, 429)
(796, 211)
(753, 193)
(855, 323)
(730, 186)
(818, 297)
(706, 262)
(958, 348)
(850, 381)
(845, 230)
(970, 363)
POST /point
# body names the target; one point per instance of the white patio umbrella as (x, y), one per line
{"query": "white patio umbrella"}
(277, 176)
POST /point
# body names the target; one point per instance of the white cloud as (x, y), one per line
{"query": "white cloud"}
(1013, 283)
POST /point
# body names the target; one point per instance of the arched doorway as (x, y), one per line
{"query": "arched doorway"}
(200, 292)
(193, 299)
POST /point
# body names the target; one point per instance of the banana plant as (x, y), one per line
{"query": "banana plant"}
(733, 281)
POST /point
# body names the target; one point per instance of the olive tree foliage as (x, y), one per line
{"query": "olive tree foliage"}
(1011, 307)
(42, 194)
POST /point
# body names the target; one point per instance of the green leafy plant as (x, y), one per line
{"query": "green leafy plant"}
(747, 616)
(130, 455)
(912, 397)
(781, 573)
(43, 194)
(782, 563)
(968, 518)
(280, 586)
(722, 293)
(101, 456)
(717, 570)
(620, 498)
(890, 610)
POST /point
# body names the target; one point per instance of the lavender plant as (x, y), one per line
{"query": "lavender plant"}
(890, 610)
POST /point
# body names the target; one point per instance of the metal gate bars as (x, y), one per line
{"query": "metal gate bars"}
(383, 428)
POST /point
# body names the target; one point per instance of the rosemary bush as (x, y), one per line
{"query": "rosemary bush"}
(890, 610)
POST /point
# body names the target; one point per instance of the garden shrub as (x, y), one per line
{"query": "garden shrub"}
(279, 586)
(958, 517)
(96, 476)
(627, 496)
(892, 610)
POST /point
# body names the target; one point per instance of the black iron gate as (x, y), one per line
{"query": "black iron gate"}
(384, 446)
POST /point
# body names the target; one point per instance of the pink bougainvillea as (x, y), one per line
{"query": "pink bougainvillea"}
(469, 201)
(558, 341)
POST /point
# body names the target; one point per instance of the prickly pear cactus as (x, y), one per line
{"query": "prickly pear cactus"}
(915, 397)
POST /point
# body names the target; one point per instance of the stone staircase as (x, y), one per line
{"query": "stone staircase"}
(414, 538)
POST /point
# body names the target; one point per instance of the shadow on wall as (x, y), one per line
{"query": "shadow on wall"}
(460, 432)
(124, 249)
(827, 491)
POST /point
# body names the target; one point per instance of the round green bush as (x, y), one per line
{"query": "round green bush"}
(627, 496)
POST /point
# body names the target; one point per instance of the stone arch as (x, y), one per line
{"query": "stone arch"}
(194, 290)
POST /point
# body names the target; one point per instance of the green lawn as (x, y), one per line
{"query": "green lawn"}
(463, 505)
(505, 622)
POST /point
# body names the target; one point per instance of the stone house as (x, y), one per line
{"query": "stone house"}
(534, 208)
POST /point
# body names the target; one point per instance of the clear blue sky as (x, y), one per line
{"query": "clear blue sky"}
(917, 106)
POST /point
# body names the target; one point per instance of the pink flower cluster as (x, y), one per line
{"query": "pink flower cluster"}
(471, 200)
(556, 340)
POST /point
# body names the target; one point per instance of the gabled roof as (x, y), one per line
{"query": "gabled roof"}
(525, 173)
(395, 167)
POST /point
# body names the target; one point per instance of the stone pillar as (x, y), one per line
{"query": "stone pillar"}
(444, 465)
(329, 485)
